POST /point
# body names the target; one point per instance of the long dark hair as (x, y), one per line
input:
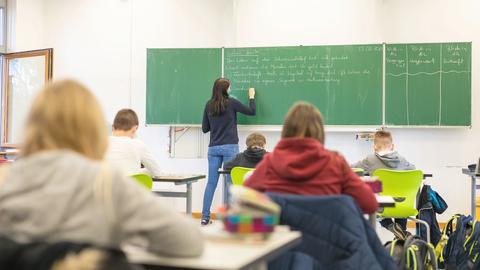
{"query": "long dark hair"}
(218, 102)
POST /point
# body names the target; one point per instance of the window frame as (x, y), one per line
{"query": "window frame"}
(6, 58)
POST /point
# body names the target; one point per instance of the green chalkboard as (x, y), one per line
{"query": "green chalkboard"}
(428, 84)
(344, 81)
(179, 82)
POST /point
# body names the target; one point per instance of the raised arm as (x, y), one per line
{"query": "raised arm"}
(251, 109)
(239, 107)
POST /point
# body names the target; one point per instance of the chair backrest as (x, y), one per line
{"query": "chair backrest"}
(143, 179)
(403, 186)
(238, 174)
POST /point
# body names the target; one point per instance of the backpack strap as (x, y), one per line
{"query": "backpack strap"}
(393, 243)
(431, 255)
(419, 246)
(411, 258)
(407, 251)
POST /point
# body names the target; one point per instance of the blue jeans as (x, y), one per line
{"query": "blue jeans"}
(216, 156)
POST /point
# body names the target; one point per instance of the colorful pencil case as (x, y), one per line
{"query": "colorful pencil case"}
(250, 224)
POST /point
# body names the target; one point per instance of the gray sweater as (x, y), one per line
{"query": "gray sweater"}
(388, 161)
(55, 196)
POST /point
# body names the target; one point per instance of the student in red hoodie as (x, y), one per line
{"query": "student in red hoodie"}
(300, 164)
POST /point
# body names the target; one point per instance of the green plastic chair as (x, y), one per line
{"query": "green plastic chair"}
(358, 171)
(143, 179)
(403, 186)
(238, 173)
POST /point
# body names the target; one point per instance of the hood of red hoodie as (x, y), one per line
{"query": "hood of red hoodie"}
(299, 159)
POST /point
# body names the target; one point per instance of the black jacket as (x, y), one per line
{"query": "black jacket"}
(248, 159)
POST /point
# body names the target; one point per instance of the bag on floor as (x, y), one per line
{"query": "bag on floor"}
(458, 248)
(412, 254)
(446, 232)
(472, 246)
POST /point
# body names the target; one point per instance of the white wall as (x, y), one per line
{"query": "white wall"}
(103, 43)
(29, 27)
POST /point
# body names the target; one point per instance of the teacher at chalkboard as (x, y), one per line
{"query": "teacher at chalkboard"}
(220, 118)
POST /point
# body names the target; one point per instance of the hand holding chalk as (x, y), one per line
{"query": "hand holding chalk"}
(251, 93)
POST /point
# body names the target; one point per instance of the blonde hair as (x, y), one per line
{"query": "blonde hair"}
(88, 259)
(382, 139)
(65, 115)
(304, 120)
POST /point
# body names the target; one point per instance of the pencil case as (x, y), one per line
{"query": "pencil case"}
(244, 224)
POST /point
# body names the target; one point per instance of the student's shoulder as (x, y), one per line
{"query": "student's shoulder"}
(120, 139)
(138, 143)
(120, 142)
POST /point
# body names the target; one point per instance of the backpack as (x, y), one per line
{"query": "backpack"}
(413, 253)
(446, 232)
(461, 250)
(472, 246)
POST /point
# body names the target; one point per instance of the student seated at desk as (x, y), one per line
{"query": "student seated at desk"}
(126, 152)
(385, 157)
(61, 190)
(252, 155)
(300, 163)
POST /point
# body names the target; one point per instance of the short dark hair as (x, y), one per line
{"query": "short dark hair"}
(256, 139)
(125, 120)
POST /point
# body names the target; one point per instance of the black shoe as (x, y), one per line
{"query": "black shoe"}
(205, 222)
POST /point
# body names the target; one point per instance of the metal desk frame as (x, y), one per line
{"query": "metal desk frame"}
(179, 180)
(224, 174)
(473, 198)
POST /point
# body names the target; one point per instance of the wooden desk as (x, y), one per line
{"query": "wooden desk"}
(383, 201)
(179, 180)
(224, 253)
(473, 177)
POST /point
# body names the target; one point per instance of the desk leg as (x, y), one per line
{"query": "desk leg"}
(474, 195)
(225, 189)
(372, 218)
(189, 199)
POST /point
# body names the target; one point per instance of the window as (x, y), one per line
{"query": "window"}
(3, 25)
(24, 74)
